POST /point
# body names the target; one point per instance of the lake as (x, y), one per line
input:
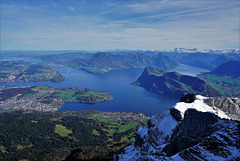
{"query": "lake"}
(127, 98)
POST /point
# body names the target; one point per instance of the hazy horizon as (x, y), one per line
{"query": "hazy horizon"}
(109, 50)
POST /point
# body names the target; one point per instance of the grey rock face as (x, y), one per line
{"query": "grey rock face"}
(188, 97)
(176, 114)
(228, 105)
(223, 143)
(197, 135)
(190, 131)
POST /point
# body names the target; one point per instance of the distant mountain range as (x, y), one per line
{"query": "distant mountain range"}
(173, 83)
(206, 60)
(101, 62)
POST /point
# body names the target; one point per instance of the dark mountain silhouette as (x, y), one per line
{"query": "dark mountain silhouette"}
(231, 68)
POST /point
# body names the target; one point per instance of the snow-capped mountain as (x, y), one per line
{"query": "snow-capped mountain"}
(196, 128)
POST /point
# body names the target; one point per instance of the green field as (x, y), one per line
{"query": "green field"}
(62, 131)
(119, 133)
(21, 147)
(3, 149)
(126, 127)
(66, 94)
(225, 85)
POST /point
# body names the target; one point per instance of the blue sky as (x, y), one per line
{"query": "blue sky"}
(117, 24)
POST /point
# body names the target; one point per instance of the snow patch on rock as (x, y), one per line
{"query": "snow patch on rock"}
(199, 105)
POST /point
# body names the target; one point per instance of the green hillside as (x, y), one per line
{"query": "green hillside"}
(173, 83)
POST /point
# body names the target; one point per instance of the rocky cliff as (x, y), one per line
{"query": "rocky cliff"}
(231, 106)
(191, 130)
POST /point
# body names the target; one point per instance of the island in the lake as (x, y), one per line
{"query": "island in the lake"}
(45, 98)
(19, 71)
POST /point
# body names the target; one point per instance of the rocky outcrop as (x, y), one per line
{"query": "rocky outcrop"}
(231, 106)
(176, 114)
(188, 131)
(222, 144)
(188, 97)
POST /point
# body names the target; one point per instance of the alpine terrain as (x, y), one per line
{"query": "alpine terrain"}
(196, 128)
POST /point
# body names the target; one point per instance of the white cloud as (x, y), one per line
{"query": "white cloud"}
(72, 9)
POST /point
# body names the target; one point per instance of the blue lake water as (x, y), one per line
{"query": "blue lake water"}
(188, 70)
(127, 98)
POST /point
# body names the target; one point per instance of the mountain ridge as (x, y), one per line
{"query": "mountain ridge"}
(213, 60)
(202, 133)
(172, 83)
(102, 62)
(229, 68)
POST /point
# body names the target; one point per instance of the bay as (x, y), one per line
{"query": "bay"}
(188, 70)
(127, 98)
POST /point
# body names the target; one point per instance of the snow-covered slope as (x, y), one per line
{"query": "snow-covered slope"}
(191, 130)
(199, 105)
